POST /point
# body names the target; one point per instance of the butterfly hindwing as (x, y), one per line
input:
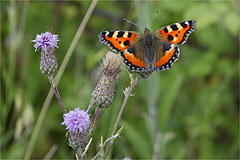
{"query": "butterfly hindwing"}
(167, 56)
(177, 33)
(133, 58)
(117, 40)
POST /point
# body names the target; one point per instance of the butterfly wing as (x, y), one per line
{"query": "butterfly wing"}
(118, 40)
(177, 33)
(167, 54)
(133, 58)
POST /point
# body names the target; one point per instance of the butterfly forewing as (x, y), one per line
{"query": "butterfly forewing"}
(177, 33)
(117, 40)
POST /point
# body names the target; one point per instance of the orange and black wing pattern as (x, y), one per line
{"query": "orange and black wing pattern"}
(177, 33)
(166, 56)
(133, 58)
(117, 40)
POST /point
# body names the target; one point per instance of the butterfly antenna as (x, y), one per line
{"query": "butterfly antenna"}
(132, 23)
(153, 18)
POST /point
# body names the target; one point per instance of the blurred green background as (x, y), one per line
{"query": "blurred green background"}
(190, 111)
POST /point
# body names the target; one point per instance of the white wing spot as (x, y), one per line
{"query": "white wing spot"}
(125, 35)
(174, 39)
(122, 45)
(115, 34)
(169, 29)
(179, 26)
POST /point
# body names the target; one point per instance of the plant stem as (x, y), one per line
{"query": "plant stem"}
(51, 152)
(95, 120)
(127, 95)
(57, 94)
(101, 149)
(90, 106)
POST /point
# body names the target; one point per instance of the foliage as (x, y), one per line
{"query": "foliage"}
(190, 111)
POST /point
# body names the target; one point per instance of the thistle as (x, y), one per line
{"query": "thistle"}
(47, 42)
(77, 123)
(104, 91)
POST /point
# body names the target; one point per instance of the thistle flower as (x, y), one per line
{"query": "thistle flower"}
(47, 42)
(104, 92)
(77, 123)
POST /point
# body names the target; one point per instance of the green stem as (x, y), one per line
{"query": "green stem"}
(57, 94)
(127, 95)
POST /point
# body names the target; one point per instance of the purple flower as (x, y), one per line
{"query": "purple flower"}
(45, 41)
(76, 121)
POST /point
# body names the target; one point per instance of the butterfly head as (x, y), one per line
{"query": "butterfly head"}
(148, 37)
(146, 30)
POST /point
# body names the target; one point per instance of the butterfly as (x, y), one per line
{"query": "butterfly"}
(147, 52)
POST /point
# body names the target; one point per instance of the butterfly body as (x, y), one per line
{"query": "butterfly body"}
(149, 51)
(147, 44)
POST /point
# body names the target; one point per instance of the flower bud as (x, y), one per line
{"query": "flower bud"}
(77, 140)
(104, 92)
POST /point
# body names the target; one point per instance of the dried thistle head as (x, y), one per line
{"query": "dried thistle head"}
(104, 92)
(47, 42)
(112, 63)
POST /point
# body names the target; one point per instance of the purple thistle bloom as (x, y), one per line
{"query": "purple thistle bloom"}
(45, 41)
(76, 121)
